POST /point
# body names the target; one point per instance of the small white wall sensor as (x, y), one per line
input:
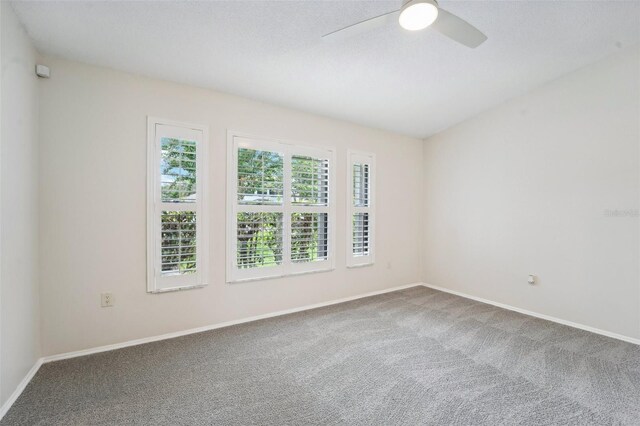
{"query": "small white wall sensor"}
(42, 71)
(532, 279)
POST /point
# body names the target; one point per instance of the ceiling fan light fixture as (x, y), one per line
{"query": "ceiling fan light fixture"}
(418, 14)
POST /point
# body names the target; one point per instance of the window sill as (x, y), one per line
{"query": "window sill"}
(271, 277)
(174, 289)
(360, 265)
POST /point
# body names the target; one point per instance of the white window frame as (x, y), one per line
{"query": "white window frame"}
(156, 130)
(358, 157)
(288, 149)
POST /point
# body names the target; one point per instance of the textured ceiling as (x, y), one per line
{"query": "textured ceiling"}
(411, 83)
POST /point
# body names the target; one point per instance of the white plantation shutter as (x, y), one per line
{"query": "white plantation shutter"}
(280, 209)
(360, 211)
(176, 239)
(310, 210)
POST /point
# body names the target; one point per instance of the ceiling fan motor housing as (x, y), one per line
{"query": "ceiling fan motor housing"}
(418, 14)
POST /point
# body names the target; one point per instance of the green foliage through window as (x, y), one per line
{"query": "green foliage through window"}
(259, 239)
(309, 233)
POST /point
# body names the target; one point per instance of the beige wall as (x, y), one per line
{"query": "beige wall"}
(19, 310)
(92, 192)
(525, 188)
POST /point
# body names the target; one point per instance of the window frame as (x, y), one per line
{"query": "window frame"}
(236, 140)
(156, 283)
(355, 157)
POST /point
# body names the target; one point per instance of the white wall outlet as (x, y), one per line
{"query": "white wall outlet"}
(532, 279)
(43, 71)
(106, 300)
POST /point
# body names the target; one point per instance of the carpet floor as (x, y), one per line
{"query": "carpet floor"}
(416, 356)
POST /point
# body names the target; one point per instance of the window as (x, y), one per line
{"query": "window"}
(360, 210)
(176, 240)
(280, 209)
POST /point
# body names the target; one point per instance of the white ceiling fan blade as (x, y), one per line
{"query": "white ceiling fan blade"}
(458, 29)
(362, 26)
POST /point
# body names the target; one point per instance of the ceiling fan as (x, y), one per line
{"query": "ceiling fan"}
(417, 15)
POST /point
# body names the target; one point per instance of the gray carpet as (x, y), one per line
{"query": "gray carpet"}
(416, 356)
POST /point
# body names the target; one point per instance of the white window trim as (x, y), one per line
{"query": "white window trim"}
(287, 267)
(155, 283)
(368, 158)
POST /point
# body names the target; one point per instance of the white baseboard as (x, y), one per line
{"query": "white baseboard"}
(23, 384)
(537, 315)
(106, 348)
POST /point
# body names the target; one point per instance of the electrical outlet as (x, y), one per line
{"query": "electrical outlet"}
(106, 300)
